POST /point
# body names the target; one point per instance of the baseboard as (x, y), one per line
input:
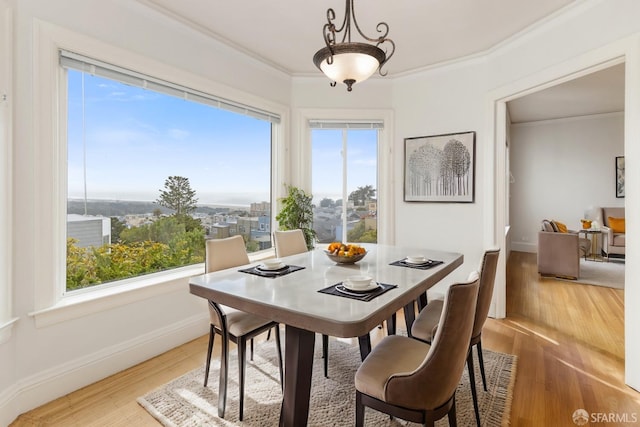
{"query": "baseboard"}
(524, 247)
(36, 390)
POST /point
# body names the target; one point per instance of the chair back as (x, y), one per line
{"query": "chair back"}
(434, 382)
(289, 242)
(485, 292)
(222, 254)
(225, 253)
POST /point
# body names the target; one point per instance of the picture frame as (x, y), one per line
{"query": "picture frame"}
(440, 168)
(620, 177)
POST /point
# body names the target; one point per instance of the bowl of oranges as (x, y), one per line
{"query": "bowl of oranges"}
(344, 253)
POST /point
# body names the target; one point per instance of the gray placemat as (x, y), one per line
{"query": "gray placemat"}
(360, 296)
(271, 273)
(425, 266)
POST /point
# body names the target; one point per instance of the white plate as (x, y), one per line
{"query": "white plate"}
(347, 285)
(416, 261)
(272, 267)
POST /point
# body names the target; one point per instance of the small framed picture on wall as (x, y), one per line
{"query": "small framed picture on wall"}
(620, 176)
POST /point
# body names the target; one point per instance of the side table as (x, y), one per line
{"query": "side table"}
(594, 241)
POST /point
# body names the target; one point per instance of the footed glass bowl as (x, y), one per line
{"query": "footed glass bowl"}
(344, 259)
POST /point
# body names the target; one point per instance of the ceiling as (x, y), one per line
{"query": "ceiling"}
(597, 93)
(285, 34)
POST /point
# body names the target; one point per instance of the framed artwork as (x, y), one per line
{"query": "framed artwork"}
(440, 168)
(620, 177)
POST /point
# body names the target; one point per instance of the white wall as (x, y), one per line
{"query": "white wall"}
(56, 351)
(454, 98)
(445, 100)
(561, 168)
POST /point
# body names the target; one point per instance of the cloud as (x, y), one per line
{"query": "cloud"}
(180, 134)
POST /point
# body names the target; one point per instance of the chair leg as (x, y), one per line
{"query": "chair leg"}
(251, 358)
(453, 422)
(224, 369)
(480, 359)
(472, 383)
(359, 410)
(212, 335)
(325, 354)
(242, 349)
(279, 348)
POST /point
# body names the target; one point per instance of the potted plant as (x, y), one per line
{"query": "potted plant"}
(297, 212)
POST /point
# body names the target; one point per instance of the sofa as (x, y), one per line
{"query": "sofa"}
(559, 251)
(613, 232)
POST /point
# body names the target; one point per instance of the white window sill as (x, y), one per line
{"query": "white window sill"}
(6, 329)
(89, 301)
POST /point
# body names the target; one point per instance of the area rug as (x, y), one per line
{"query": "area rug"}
(184, 402)
(609, 274)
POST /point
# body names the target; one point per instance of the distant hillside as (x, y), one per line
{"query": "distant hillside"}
(124, 207)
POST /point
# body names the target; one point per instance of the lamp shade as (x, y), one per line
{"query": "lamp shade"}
(349, 63)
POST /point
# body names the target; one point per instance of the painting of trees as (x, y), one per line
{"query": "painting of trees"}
(440, 168)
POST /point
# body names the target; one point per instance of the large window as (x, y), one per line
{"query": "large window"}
(344, 181)
(154, 169)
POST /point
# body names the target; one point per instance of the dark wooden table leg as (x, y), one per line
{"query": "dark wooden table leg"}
(365, 346)
(409, 316)
(299, 344)
(422, 302)
(391, 325)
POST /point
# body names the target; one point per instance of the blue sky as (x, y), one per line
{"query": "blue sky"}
(136, 138)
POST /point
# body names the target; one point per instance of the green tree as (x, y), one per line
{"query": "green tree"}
(360, 235)
(327, 203)
(178, 195)
(117, 227)
(185, 242)
(81, 266)
(297, 212)
(362, 194)
(252, 246)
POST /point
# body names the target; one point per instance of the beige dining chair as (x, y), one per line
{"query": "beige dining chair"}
(416, 381)
(426, 324)
(289, 242)
(232, 325)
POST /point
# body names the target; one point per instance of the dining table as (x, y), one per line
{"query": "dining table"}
(309, 298)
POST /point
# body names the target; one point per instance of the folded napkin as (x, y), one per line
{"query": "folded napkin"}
(271, 273)
(423, 266)
(340, 291)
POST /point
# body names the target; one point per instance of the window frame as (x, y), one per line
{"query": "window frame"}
(52, 304)
(6, 154)
(344, 129)
(385, 192)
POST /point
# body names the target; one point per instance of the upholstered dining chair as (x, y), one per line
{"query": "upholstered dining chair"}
(289, 242)
(232, 325)
(426, 324)
(416, 381)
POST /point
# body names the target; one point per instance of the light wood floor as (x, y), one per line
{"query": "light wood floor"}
(568, 339)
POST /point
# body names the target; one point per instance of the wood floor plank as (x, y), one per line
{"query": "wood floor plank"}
(569, 339)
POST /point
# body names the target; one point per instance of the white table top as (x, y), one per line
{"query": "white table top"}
(294, 299)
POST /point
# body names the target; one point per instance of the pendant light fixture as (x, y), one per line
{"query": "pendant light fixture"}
(351, 62)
